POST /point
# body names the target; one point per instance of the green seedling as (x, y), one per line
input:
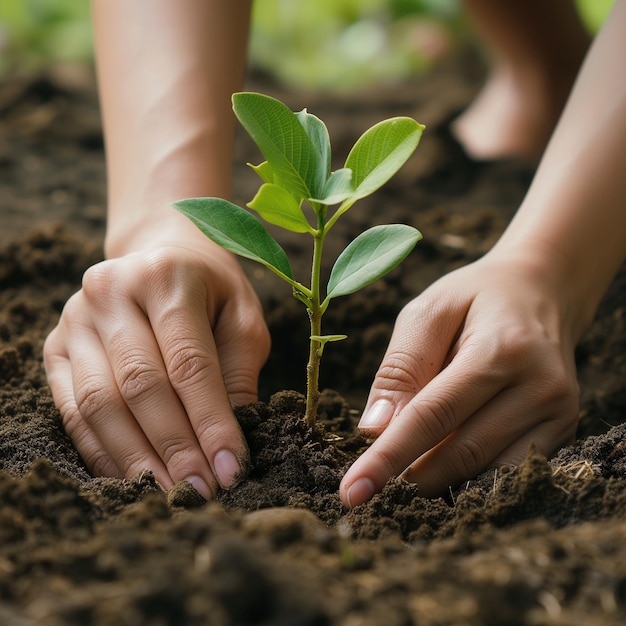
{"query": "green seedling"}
(297, 194)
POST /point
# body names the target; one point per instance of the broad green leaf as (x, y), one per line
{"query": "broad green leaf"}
(318, 134)
(380, 152)
(292, 156)
(371, 255)
(338, 187)
(236, 230)
(277, 206)
(263, 171)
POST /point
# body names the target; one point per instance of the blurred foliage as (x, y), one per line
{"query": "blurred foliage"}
(594, 12)
(336, 44)
(342, 44)
(34, 33)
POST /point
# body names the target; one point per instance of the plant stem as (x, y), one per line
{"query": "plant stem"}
(315, 317)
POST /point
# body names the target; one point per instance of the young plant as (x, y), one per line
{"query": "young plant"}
(297, 194)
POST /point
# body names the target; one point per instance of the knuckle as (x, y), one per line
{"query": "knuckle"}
(564, 386)
(468, 458)
(213, 430)
(71, 418)
(163, 274)
(160, 265)
(133, 464)
(137, 377)
(188, 364)
(100, 463)
(400, 371)
(132, 460)
(390, 460)
(240, 382)
(177, 453)
(98, 281)
(438, 418)
(91, 398)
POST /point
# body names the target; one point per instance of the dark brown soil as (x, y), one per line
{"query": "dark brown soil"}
(541, 544)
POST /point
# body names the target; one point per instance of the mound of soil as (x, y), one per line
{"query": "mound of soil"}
(544, 543)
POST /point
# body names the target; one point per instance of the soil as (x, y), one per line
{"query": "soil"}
(544, 543)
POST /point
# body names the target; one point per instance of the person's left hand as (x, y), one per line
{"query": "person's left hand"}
(479, 366)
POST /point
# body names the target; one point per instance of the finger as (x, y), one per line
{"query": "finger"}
(499, 434)
(243, 344)
(182, 329)
(143, 387)
(59, 375)
(102, 408)
(420, 347)
(548, 437)
(458, 392)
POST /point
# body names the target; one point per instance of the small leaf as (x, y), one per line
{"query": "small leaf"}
(318, 134)
(292, 156)
(327, 338)
(371, 255)
(277, 206)
(236, 230)
(338, 187)
(324, 339)
(263, 171)
(380, 153)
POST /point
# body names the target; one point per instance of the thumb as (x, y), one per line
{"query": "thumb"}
(422, 343)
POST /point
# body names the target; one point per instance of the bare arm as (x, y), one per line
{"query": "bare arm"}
(573, 219)
(481, 365)
(166, 334)
(166, 73)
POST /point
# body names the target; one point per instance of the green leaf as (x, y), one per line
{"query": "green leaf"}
(236, 230)
(371, 255)
(327, 338)
(380, 152)
(288, 149)
(318, 134)
(338, 187)
(263, 171)
(277, 206)
(324, 339)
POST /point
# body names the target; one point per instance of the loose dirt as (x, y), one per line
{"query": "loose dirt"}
(544, 543)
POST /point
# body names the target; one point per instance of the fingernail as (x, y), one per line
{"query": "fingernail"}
(226, 468)
(377, 416)
(200, 485)
(359, 492)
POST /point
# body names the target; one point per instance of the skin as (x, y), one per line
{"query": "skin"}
(482, 364)
(535, 50)
(149, 355)
(166, 334)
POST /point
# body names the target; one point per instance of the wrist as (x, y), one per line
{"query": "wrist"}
(574, 289)
(140, 214)
(571, 288)
(137, 232)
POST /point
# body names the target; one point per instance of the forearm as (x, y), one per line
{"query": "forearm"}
(166, 72)
(573, 219)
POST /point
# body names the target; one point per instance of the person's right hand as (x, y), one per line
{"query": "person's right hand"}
(148, 358)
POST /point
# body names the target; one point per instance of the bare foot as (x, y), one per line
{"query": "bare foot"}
(512, 117)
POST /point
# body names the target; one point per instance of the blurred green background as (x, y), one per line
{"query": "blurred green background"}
(333, 44)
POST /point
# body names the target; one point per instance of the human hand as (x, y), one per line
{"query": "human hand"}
(148, 358)
(479, 366)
